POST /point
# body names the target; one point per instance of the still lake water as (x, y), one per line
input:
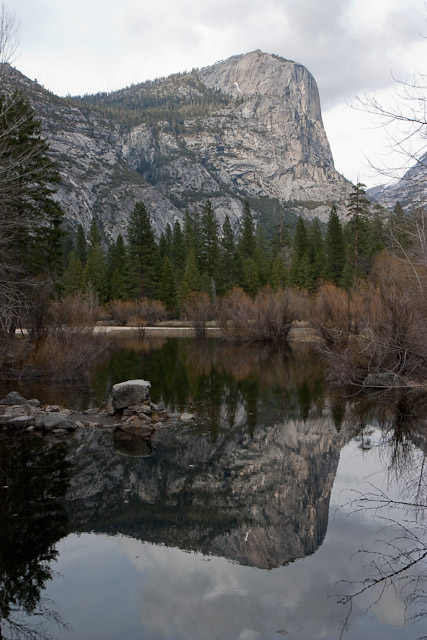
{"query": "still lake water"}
(251, 522)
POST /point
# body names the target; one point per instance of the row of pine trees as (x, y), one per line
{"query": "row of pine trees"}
(202, 256)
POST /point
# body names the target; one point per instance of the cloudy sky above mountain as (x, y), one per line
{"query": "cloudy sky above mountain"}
(352, 47)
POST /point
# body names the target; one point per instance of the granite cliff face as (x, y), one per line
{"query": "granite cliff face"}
(95, 178)
(267, 145)
(248, 128)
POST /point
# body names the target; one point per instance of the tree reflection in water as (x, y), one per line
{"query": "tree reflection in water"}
(33, 480)
(398, 560)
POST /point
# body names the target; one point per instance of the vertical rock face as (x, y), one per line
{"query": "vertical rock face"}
(275, 136)
(268, 144)
(249, 127)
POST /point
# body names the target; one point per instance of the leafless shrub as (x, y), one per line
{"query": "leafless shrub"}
(331, 315)
(275, 311)
(268, 317)
(378, 329)
(138, 313)
(66, 349)
(74, 311)
(198, 309)
(66, 355)
(120, 312)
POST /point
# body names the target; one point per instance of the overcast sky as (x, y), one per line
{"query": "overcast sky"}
(350, 46)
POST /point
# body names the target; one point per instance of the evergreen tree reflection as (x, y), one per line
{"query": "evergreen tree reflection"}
(33, 481)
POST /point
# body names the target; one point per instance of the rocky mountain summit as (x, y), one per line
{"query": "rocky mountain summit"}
(247, 128)
(410, 190)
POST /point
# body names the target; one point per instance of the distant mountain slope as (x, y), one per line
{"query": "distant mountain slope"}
(410, 190)
(247, 128)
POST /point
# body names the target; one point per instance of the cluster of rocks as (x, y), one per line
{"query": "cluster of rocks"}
(139, 416)
(132, 415)
(18, 413)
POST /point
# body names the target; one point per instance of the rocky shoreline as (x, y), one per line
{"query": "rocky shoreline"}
(132, 414)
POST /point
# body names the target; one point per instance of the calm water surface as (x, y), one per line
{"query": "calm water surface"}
(256, 520)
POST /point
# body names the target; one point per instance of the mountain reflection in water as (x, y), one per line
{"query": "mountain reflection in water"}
(249, 479)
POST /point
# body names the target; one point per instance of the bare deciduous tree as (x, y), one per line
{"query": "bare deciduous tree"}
(8, 35)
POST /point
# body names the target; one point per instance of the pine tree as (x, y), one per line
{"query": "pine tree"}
(30, 219)
(94, 236)
(177, 253)
(335, 249)
(118, 288)
(143, 253)
(278, 278)
(247, 240)
(251, 282)
(167, 285)
(72, 279)
(300, 274)
(165, 242)
(191, 281)
(358, 209)
(262, 256)
(227, 261)
(95, 273)
(399, 227)
(209, 241)
(80, 245)
(191, 232)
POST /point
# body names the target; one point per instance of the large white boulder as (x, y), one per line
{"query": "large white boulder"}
(130, 392)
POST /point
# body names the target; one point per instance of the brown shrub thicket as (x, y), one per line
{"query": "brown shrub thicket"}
(379, 327)
(138, 313)
(198, 308)
(66, 348)
(66, 355)
(73, 311)
(267, 318)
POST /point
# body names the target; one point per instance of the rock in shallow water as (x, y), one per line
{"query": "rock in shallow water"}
(13, 398)
(130, 392)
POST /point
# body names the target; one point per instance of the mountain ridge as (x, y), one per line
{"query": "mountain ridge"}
(247, 128)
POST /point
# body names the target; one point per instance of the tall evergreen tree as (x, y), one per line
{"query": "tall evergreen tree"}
(191, 280)
(358, 209)
(94, 234)
(209, 241)
(399, 227)
(317, 252)
(278, 278)
(117, 269)
(251, 282)
(300, 273)
(72, 279)
(247, 240)
(143, 253)
(178, 253)
(95, 273)
(227, 263)
(165, 243)
(29, 216)
(80, 245)
(167, 285)
(335, 249)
